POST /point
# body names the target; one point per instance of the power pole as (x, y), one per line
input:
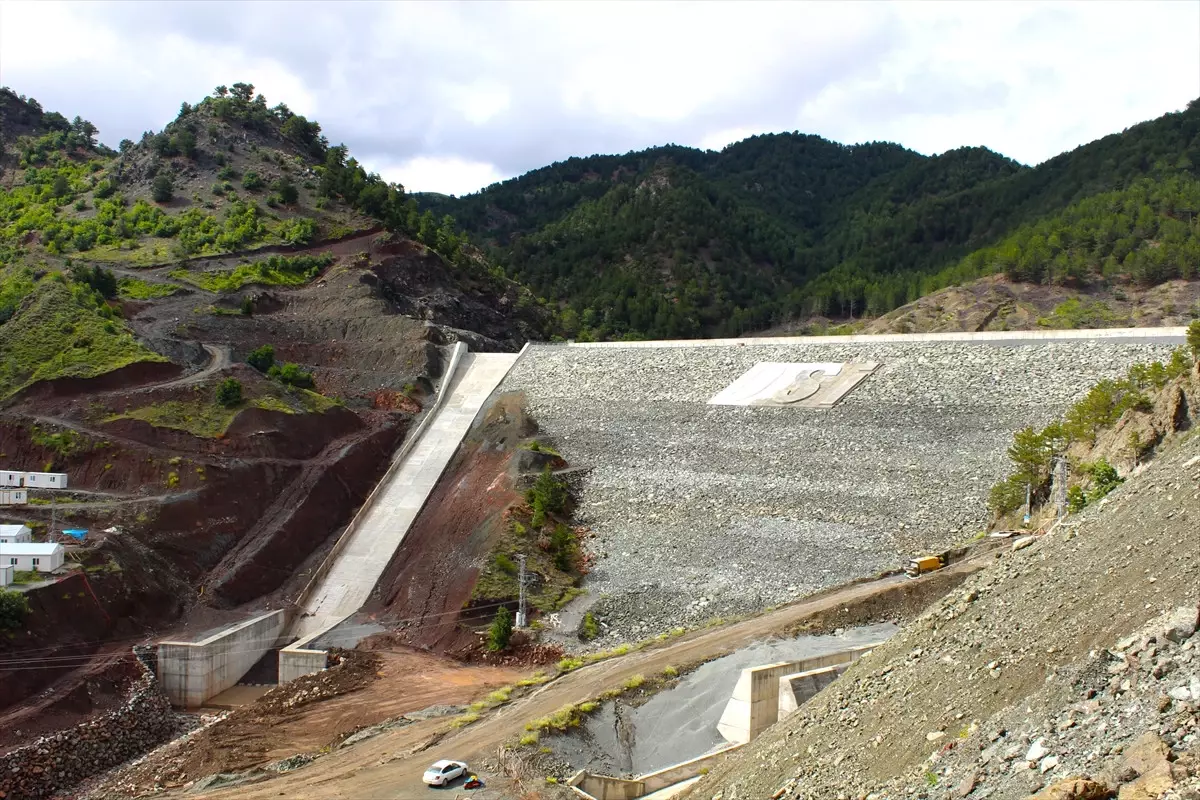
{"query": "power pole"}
(1060, 488)
(521, 596)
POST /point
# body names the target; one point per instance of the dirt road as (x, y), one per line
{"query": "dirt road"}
(390, 765)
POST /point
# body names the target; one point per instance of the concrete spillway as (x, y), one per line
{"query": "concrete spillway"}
(384, 522)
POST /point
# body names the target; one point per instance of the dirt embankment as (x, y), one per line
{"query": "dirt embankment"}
(430, 579)
(98, 610)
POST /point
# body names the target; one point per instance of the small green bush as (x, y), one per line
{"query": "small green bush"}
(262, 358)
(292, 375)
(252, 181)
(1076, 499)
(229, 393)
(14, 608)
(506, 564)
(1193, 338)
(161, 190)
(591, 627)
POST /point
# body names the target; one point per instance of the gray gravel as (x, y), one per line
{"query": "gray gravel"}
(702, 510)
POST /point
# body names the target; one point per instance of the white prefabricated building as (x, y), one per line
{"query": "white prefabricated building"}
(33, 556)
(14, 534)
(6, 574)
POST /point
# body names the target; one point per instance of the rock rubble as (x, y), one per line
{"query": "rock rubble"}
(702, 511)
(58, 761)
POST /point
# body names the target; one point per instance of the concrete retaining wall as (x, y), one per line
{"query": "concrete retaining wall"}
(409, 442)
(754, 706)
(797, 689)
(192, 672)
(302, 658)
(604, 787)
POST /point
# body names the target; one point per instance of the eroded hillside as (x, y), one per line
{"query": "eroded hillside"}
(221, 332)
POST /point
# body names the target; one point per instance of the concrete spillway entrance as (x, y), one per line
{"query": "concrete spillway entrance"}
(375, 536)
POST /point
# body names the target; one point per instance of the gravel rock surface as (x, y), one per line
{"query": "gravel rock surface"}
(702, 511)
(1061, 661)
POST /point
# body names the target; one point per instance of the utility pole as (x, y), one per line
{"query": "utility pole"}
(521, 596)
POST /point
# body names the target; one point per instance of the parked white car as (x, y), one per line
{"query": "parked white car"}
(443, 772)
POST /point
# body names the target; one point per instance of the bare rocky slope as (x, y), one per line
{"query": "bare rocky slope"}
(1069, 667)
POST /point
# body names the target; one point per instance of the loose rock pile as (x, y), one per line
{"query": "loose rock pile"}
(702, 511)
(58, 761)
(1040, 673)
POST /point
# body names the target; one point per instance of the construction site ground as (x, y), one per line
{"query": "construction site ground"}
(390, 765)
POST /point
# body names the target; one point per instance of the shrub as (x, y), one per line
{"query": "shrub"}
(1193, 338)
(1076, 499)
(229, 393)
(100, 279)
(529, 739)
(506, 564)
(13, 609)
(546, 496)
(591, 627)
(262, 358)
(501, 630)
(252, 181)
(1007, 496)
(248, 307)
(634, 682)
(286, 190)
(563, 546)
(292, 375)
(162, 190)
(670, 671)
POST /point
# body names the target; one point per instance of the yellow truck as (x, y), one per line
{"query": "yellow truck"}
(923, 564)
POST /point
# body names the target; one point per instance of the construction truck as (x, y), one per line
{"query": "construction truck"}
(923, 564)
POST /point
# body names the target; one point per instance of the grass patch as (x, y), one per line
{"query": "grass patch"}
(64, 331)
(1074, 313)
(529, 739)
(271, 271)
(203, 418)
(138, 289)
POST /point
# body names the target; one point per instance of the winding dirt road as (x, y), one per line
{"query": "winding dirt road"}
(390, 765)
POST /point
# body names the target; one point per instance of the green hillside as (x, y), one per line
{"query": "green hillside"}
(674, 241)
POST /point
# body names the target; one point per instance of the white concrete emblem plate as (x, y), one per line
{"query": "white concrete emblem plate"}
(782, 385)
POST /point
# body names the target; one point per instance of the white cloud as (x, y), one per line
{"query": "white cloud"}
(438, 174)
(452, 95)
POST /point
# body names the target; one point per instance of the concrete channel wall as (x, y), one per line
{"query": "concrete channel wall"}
(604, 787)
(304, 657)
(797, 689)
(332, 556)
(193, 672)
(754, 706)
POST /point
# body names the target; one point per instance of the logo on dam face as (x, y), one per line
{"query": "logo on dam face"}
(794, 385)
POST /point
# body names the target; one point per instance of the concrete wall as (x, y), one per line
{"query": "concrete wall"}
(754, 706)
(604, 787)
(193, 672)
(797, 689)
(669, 776)
(1178, 334)
(410, 441)
(304, 657)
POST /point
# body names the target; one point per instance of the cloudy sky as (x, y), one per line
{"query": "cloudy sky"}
(450, 97)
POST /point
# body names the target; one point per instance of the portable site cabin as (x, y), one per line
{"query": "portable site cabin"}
(13, 497)
(8, 478)
(6, 574)
(33, 557)
(45, 480)
(15, 534)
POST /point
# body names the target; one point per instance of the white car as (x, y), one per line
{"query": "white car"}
(443, 772)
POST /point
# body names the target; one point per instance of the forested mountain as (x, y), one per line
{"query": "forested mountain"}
(674, 241)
